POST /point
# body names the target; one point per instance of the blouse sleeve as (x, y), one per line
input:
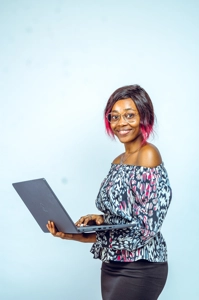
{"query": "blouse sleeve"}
(152, 195)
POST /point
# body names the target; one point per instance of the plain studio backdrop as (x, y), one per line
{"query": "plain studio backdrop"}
(59, 63)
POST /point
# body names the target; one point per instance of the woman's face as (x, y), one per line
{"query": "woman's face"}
(125, 120)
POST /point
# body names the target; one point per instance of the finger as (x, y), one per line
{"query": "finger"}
(100, 220)
(51, 227)
(48, 225)
(88, 218)
(77, 223)
(86, 221)
(83, 220)
(80, 221)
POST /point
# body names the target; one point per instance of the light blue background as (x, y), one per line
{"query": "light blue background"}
(59, 63)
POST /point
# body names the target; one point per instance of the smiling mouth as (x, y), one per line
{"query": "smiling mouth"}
(123, 132)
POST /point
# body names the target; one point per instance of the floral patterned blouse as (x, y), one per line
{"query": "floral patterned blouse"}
(136, 195)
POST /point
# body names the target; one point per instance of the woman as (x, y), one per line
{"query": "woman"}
(136, 190)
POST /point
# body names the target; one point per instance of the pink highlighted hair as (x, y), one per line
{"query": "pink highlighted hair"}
(144, 106)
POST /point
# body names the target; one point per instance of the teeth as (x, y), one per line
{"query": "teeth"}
(123, 131)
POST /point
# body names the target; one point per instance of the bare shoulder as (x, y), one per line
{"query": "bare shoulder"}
(117, 160)
(149, 156)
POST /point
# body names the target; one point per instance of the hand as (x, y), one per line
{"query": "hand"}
(80, 237)
(90, 220)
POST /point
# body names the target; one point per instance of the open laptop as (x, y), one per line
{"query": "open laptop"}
(44, 205)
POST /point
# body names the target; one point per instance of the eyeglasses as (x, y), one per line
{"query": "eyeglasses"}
(114, 118)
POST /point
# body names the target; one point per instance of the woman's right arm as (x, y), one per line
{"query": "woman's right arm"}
(80, 237)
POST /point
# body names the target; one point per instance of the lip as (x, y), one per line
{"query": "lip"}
(123, 132)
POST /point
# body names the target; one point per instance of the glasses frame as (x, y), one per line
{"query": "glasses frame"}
(123, 116)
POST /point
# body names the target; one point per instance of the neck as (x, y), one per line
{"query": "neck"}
(133, 145)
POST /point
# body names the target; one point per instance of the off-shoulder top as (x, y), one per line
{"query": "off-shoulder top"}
(137, 195)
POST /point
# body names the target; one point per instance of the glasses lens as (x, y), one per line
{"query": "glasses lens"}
(113, 118)
(129, 117)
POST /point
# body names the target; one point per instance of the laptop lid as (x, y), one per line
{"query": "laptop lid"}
(43, 204)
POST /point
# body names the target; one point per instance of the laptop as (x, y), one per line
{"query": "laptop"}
(43, 204)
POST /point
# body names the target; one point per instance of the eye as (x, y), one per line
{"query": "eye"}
(113, 117)
(130, 116)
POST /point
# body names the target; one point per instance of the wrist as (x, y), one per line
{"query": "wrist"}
(103, 218)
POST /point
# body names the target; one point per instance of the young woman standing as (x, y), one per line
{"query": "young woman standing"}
(136, 190)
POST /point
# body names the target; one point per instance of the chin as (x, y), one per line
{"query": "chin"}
(125, 140)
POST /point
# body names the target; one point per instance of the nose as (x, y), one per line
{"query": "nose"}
(122, 121)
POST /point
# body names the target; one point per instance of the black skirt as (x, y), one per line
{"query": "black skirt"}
(140, 280)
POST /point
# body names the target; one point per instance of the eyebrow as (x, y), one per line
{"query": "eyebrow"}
(126, 109)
